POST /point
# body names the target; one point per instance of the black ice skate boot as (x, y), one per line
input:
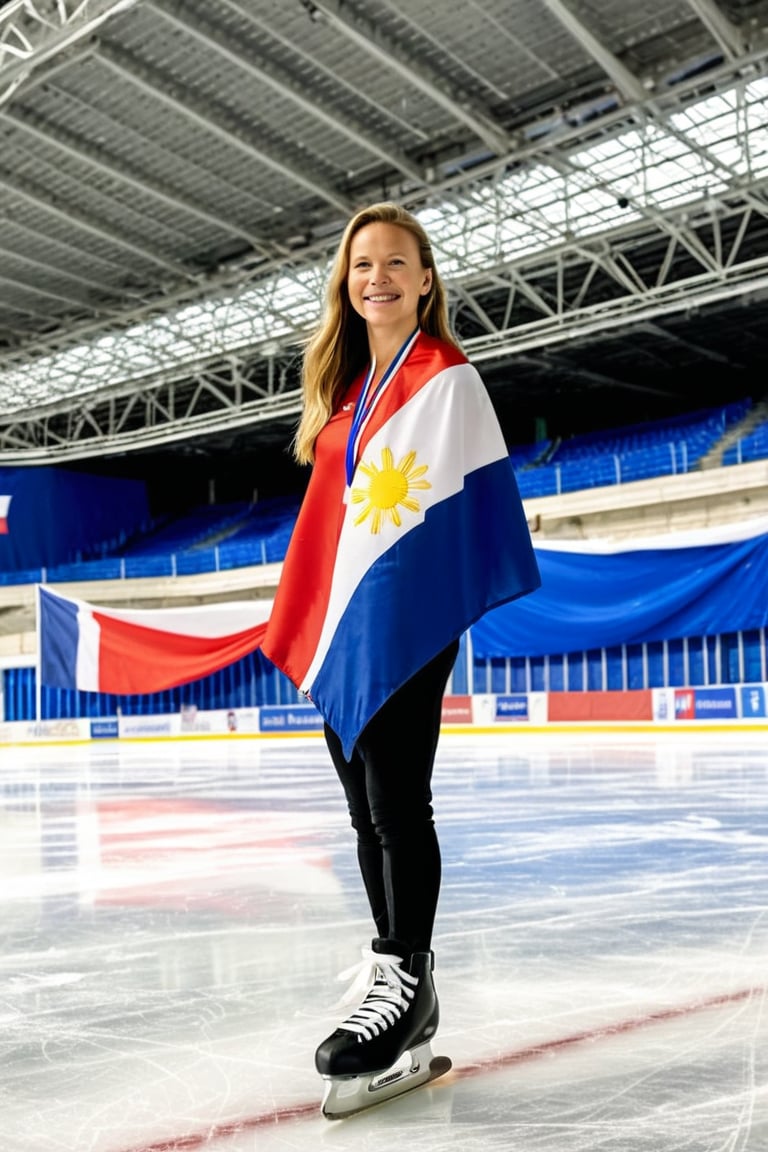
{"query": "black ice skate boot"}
(398, 1017)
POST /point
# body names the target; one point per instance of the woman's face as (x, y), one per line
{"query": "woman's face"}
(386, 279)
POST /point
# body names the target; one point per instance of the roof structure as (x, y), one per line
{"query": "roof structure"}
(174, 177)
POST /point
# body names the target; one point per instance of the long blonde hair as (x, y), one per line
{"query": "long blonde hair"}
(338, 349)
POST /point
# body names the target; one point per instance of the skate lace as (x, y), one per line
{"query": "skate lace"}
(362, 976)
(390, 991)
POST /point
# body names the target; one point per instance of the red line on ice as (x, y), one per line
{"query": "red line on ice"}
(195, 1140)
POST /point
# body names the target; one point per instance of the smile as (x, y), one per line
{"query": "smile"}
(383, 298)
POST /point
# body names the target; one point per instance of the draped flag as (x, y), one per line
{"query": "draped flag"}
(145, 650)
(429, 535)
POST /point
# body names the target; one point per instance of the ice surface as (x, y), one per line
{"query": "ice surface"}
(174, 917)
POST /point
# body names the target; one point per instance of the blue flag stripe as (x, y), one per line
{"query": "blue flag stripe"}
(58, 641)
(471, 553)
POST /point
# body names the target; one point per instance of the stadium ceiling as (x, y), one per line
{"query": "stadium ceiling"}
(174, 176)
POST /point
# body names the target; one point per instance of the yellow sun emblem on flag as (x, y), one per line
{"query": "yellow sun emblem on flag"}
(389, 489)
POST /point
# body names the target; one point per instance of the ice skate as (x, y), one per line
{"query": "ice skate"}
(383, 1049)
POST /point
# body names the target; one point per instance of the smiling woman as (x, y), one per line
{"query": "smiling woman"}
(386, 282)
(410, 530)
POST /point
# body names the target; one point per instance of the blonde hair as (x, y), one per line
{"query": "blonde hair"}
(338, 349)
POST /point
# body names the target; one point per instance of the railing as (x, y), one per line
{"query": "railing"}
(732, 658)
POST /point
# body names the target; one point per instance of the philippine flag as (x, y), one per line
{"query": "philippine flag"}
(145, 650)
(5, 503)
(431, 535)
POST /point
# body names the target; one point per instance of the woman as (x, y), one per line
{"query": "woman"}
(410, 529)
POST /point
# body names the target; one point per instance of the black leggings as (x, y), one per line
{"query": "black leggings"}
(387, 783)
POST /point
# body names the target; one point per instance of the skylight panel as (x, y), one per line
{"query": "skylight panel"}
(529, 210)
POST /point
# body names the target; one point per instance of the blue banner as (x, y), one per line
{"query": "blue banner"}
(52, 516)
(105, 729)
(290, 718)
(594, 600)
(753, 700)
(512, 707)
(714, 704)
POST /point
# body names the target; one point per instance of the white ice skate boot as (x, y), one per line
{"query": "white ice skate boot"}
(383, 1048)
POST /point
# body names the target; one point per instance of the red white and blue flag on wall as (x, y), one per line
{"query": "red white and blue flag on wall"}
(127, 651)
(5, 504)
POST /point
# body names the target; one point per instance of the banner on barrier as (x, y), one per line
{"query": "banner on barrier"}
(513, 707)
(684, 706)
(148, 726)
(753, 702)
(706, 703)
(715, 703)
(106, 728)
(457, 710)
(290, 718)
(633, 705)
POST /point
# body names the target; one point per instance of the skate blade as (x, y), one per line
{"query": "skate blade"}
(353, 1094)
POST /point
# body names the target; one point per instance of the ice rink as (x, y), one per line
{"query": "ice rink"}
(174, 916)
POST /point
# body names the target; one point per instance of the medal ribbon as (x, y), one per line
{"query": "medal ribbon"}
(367, 401)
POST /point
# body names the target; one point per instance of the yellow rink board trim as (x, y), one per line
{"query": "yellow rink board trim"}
(519, 729)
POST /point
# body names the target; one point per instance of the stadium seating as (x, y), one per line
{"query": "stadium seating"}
(637, 452)
(218, 537)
